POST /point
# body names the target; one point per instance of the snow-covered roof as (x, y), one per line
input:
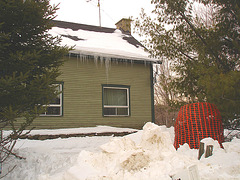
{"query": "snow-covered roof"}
(100, 41)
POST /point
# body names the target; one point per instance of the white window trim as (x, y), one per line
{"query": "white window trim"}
(109, 106)
(55, 105)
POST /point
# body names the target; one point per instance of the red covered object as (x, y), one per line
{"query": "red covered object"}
(198, 121)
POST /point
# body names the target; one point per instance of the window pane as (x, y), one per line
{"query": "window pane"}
(115, 97)
(53, 111)
(109, 111)
(57, 100)
(122, 111)
(55, 107)
(116, 111)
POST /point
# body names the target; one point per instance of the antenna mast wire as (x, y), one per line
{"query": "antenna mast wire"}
(98, 5)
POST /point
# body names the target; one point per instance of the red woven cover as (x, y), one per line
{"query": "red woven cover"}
(197, 121)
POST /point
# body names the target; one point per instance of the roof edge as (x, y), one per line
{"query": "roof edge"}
(113, 56)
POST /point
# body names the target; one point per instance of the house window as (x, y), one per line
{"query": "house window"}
(55, 107)
(116, 100)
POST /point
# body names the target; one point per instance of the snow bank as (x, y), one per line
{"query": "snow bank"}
(49, 156)
(97, 129)
(150, 154)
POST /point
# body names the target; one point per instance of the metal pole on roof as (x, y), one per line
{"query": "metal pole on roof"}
(99, 13)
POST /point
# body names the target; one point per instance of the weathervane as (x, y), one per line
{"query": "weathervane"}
(99, 11)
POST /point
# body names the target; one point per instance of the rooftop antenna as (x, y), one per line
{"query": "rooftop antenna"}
(99, 11)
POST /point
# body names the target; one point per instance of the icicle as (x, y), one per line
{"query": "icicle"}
(95, 60)
(126, 63)
(86, 58)
(101, 60)
(82, 58)
(77, 60)
(107, 66)
(132, 63)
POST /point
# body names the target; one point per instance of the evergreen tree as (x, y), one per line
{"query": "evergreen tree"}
(29, 63)
(204, 56)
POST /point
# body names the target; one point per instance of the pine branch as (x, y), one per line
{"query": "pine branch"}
(200, 37)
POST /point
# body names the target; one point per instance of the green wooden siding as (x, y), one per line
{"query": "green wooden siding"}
(82, 94)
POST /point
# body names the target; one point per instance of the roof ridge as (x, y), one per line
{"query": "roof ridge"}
(76, 26)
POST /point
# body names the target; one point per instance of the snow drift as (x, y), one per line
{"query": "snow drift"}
(150, 154)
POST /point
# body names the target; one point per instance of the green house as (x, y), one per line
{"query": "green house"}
(106, 80)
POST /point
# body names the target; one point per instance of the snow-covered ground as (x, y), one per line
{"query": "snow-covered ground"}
(146, 155)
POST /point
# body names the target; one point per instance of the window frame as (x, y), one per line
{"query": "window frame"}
(44, 114)
(125, 87)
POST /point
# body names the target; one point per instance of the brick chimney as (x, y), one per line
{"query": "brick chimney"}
(124, 25)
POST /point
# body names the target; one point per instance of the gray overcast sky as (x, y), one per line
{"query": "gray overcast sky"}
(83, 12)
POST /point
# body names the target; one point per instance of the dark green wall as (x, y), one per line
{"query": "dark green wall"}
(82, 94)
